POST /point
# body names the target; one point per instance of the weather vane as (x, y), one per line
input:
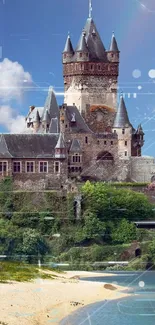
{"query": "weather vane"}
(90, 8)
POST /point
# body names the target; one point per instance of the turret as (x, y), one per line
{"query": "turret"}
(64, 123)
(123, 128)
(60, 149)
(46, 120)
(113, 53)
(82, 52)
(137, 141)
(36, 122)
(68, 51)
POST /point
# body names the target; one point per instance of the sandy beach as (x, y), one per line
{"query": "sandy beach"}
(44, 301)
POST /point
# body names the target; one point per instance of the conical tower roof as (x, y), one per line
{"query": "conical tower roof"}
(46, 117)
(113, 45)
(51, 104)
(121, 119)
(94, 43)
(82, 45)
(37, 117)
(61, 143)
(68, 46)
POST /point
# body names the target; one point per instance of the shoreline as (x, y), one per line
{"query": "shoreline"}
(44, 301)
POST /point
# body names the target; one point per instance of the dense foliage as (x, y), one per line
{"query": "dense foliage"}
(43, 225)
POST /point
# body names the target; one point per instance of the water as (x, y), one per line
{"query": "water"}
(138, 309)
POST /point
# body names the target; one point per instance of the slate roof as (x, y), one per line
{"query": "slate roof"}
(51, 104)
(113, 45)
(32, 115)
(82, 45)
(121, 119)
(68, 46)
(54, 126)
(79, 126)
(60, 144)
(95, 46)
(28, 145)
(46, 117)
(37, 117)
(75, 146)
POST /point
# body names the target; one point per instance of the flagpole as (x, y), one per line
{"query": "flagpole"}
(90, 8)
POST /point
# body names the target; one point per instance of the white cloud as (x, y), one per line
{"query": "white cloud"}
(12, 80)
(13, 122)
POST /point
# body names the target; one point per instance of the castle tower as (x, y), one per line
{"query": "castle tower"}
(36, 122)
(68, 51)
(123, 128)
(137, 141)
(60, 150)
(90, 75)
(113, 53)
(46, 121)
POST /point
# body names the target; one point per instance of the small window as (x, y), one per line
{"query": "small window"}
(114, 131)
(66, 126)
(86, 139)
(43, 167)
(17, 166)
(98, 142)
(91, 67)
(80, 55)
(57, 167)
(99, 67)
(105, 142)
(29, 166)
(64, 56)
(112, 142)
(126, 143)
(123, 131)
(76, 158)
(126, 153)
(3, 167)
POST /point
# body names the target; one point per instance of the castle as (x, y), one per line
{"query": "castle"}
(88, 137)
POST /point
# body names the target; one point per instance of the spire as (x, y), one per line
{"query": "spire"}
(51, 104)
(60, 149)
(121, 119)
(37, 117)
(68, 46)
(94, 43)
(113, 45)
(60, 144)
(90, 8)
(140, 129)
(82, 45)
(46, 117)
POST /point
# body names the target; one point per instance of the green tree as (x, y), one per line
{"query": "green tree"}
(34, 245)
(108, 202)
(124, 232)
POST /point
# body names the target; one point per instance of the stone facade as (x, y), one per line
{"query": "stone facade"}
(88, 137)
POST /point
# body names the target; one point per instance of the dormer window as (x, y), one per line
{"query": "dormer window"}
(80, 54)
(123, 131)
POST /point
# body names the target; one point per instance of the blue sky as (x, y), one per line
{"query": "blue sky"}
(33, 34)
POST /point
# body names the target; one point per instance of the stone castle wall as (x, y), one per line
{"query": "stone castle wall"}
(91, 90)
(142, 169)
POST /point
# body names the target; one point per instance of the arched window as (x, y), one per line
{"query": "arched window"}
(105, 156)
